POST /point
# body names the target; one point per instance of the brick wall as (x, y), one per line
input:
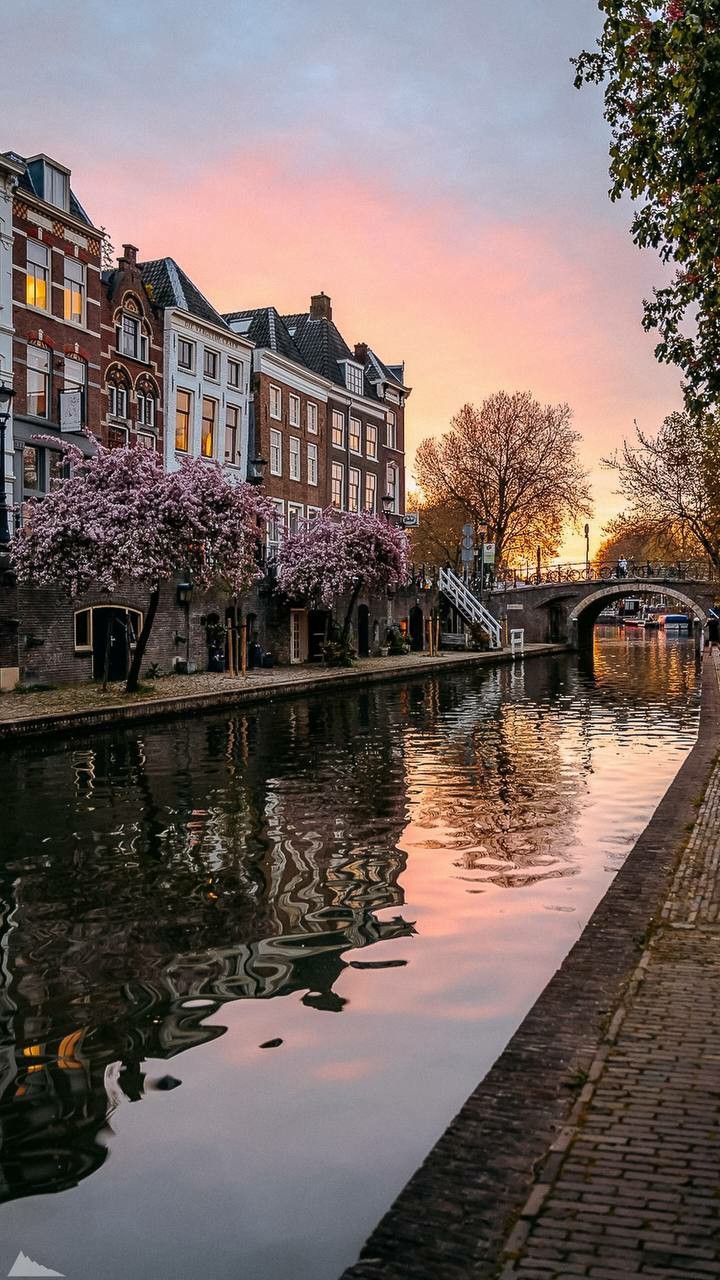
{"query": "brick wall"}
(282, 486)
(125, 289)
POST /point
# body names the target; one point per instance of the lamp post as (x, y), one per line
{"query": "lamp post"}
(481, 532)
(587, 550)
(258, 465)
(6, 398)
(388, 503)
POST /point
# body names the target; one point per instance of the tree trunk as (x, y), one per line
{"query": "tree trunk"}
(348, 615)
(142, 640)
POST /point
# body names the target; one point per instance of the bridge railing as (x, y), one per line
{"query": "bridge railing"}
(426, 577)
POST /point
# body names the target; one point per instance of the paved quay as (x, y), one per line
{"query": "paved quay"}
(80, 706)
(592, 1148)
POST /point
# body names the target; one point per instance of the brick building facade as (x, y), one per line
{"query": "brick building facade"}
(132, 363)
(56, 316)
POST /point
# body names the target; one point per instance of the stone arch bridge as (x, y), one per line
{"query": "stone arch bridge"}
(563, 607)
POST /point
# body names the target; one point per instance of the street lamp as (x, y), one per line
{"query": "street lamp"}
(388, 503)
(6, 398)
(258, 465)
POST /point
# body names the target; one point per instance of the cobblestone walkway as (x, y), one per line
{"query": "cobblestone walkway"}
(631, 1187)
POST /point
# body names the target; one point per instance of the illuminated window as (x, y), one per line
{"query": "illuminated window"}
(371, 439)
(294, 458)
(38, 381)
(312, 464)
(370, 491)
(338, 429)
(232, 431)
(209, 419)
(275, 453)
(183, 415)
(391, 435)
(37, 284)
(353, 489)
(275, 403)
(74, 291)
(338, 484)
(294, 411)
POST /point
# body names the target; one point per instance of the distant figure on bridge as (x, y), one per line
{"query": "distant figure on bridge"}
(622, 567)
(648, 570)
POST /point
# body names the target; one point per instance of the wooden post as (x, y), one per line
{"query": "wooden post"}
(230, 659)
(243, 648)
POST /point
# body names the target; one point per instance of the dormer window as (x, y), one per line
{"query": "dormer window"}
(56, 187)
(354, 378)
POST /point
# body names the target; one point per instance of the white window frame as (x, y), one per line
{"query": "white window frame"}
(371, 440)
(312, 418)
(72, 287)
(275, 397)
(275, 449)
(235, 374)
(294, 459)
(338, 417)
(313, 513)
(46, 374)
(140, 351)
(213, 357)
(392, 480)
(358, 423)
(146, 408)
(295, 509)
(233, 461)
(391, 430)
(312, 464)
(189, 368)
(337, 472)
(41, 270)
(354, 483)
(371, 489)
(294, 410)
(354, 378)
(146, 440)
(277, 524)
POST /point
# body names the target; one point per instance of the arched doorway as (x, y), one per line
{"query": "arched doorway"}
(110, 647)
(363, 631)
(417, 628)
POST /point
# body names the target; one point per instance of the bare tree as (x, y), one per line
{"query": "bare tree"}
(640, 541)
(511, 463)
(673, 479)
(438, 537)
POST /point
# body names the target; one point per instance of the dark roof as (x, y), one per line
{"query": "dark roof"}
(169, 286)
(265, 327)
(26, 183)
(377, 371)
(320, 344)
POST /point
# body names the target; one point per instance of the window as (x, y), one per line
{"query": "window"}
(131, 341)
(371, 439)
(275, 453)
(146, 441)
(353, 489)
(37, 284)
(312, 464)
(74, 374)
(145, 408)
(354, 378)
(294, 458)
(183, 418)
(391, 438)
(294, 411)
(338, 484)
(232, 434)
(186, 354)
(275, 403)
(117, 400)
(32, 470)
(392, 484)
(209, 420)
(313, 513)
(312, 419)
(57, 467)
(83, 630)
(370, 491)
(211, 363)
(355, 436)
(56, 187)
(275, 527)
(295, 515)
(38, 382)
(235, 374)
(118, 437)
(338, 429)
(74, 291)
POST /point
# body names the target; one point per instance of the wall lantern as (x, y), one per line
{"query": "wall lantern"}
(387, 504)
(257, 467)
(183, 594)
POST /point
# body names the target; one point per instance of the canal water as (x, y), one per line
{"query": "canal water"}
(252, 964)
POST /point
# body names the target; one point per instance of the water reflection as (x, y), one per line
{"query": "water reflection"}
(151, 878)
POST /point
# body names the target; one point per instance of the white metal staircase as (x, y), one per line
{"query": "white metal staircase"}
(468, 605)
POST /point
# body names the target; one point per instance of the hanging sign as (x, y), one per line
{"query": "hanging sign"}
(71, 410)
(489, 556)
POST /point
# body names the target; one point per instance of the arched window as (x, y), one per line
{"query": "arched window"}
(117, 385)
(147, 397)
(131, 335)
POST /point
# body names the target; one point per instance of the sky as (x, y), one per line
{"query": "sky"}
(428, 164)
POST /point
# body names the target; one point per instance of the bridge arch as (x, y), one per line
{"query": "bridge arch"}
(587, 610)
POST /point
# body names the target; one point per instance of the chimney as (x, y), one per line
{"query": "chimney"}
(361, 352)
(129, 256)
(320, 307)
